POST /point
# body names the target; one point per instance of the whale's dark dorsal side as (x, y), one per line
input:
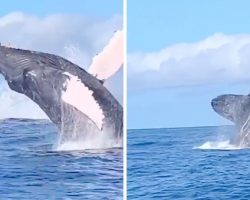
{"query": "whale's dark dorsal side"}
(235, 108)
(72, 98)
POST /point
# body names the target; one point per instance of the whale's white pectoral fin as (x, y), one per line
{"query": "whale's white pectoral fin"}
(81, 97)
(109, 61)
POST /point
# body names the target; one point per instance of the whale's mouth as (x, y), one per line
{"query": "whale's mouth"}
(216, 105)
(224, 109)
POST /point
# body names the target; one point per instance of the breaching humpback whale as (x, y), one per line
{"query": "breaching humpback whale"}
(75, 100)
(235, 108)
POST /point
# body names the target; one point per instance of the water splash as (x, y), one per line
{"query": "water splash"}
(219, 145)
(95, 142)
(78, 136)
(75, 54)
(88, 139)
(225, 139)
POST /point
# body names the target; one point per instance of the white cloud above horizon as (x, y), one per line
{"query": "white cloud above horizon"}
(74, 37)
(216, 59)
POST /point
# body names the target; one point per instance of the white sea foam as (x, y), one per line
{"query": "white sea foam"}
(219, 145)
(100, 141)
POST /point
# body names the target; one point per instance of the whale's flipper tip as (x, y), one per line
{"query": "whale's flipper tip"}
(110, 60)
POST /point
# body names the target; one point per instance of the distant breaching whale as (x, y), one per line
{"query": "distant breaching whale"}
(75, 100)
(235, 108)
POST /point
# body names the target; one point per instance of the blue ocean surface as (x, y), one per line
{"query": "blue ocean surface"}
(187, 163)
(31, 168)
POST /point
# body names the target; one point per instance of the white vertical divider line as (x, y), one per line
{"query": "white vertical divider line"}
(125, 101)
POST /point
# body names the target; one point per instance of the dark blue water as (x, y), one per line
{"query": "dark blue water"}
(31, 169)
(163, 164)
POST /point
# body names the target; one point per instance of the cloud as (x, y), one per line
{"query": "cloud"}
(74, 37)
(15, 105)
(56, 33)
(217, 59)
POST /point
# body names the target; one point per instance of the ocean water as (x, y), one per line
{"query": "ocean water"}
(31, 167)
(187, 163)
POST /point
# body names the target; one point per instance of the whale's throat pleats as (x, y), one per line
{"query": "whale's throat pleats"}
(78, 95)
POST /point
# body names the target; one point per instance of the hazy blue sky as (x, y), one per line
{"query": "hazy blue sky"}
(157, 25)
(95, 8)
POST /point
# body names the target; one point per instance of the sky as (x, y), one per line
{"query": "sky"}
(181, 55)
(94, 8)
(76, 31)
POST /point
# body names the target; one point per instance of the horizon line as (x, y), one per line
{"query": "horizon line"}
(200, 126)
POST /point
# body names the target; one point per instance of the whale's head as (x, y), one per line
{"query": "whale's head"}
(11, 72)
(232, 107)
(28, 70)
(28, 73)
